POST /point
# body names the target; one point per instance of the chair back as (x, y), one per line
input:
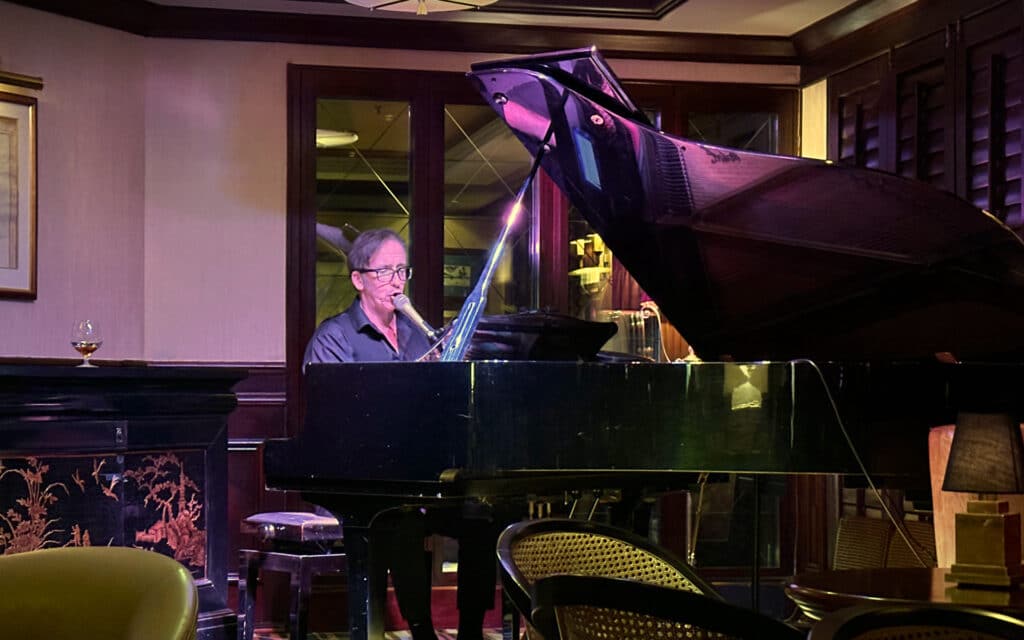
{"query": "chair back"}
(593, 608)
(867, 543)
(897, 622)
(94, 593)
(922, 536)
(861, 542)
(532, 550)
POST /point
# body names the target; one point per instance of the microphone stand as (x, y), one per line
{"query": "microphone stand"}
(469, 316)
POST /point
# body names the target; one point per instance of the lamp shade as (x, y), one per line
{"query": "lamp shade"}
(421, 7)
(987, 455)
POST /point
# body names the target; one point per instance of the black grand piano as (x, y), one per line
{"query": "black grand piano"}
(822, 292)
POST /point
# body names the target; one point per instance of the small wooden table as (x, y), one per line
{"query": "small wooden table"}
(819, 593)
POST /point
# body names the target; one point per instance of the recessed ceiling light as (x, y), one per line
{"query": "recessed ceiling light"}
(421, 7)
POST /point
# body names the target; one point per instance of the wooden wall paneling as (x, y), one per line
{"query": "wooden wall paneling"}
(300, 263)
(943, 106)
(991, 76)
(261, 414)
(811, 498)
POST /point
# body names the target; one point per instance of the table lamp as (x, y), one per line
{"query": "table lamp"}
(986, 458)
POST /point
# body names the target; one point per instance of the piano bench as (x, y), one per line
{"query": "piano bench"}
(299, 544)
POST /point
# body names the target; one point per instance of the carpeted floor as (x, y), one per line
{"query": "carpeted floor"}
(442, 634)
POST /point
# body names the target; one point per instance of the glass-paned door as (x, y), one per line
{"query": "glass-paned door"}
(362, 182)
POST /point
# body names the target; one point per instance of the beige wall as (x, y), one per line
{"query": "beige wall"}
(814, 120)
(162, 184)
(90, 177)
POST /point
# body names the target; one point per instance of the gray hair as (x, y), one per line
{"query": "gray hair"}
(367, 244)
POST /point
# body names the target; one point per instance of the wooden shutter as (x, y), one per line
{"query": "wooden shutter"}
(854, 97)
(992, 66)
(922, 144)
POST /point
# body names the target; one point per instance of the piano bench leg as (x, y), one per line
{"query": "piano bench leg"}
(510, 619)
(248, 580)
(301, 569)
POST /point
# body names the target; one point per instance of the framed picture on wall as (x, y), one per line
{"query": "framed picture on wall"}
(17, 195)
(462, 268)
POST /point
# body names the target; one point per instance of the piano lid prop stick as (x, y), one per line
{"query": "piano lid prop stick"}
(469, 316)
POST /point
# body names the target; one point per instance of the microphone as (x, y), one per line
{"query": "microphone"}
(403, 304)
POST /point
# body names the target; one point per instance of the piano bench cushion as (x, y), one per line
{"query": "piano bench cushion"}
(292, 526)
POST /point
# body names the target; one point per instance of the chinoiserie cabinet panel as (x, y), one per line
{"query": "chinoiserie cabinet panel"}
(130, 456)
(153, 500)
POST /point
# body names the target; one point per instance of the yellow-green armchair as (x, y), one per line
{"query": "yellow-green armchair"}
(89, 593)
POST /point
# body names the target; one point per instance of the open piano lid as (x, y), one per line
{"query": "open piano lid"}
(759, 256)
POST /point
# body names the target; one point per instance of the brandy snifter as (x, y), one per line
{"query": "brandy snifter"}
(86, 339)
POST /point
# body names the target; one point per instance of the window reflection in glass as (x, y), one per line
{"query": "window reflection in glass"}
(747, 131)
(601, 289)
(484, 165)
(599, 286)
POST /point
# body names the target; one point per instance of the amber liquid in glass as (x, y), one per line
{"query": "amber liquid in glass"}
(86, 348)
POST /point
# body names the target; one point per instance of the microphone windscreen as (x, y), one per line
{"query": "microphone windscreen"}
(400, 300)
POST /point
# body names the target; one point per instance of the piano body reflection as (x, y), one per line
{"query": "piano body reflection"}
(829, 287)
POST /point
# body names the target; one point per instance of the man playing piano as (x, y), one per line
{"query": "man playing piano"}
(370, 330)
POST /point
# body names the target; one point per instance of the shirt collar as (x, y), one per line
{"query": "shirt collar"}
(361, 323)
(359, 319)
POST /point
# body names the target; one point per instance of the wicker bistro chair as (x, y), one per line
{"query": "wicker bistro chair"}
(529, 551)
(589, 608)
(913, 622)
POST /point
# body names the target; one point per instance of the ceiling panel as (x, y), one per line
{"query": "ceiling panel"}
(643, 9)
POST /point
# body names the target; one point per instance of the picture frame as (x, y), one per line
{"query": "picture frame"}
(462, 268)
(18, 197)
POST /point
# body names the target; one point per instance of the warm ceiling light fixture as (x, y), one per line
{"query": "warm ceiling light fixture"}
(421, 7)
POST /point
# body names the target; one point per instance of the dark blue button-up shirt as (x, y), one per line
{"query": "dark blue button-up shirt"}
(351, 337)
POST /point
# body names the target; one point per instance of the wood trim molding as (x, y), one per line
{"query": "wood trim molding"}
(637, 9)
(646, 10)
(864, 30)
(843, 23)
(837, 42)
(152, 20)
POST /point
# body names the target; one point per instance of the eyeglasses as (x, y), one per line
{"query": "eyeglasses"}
(386, 274)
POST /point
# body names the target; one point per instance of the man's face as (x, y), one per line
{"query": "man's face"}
(376, 294)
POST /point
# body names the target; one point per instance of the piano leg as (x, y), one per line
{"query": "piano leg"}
(367, 584)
